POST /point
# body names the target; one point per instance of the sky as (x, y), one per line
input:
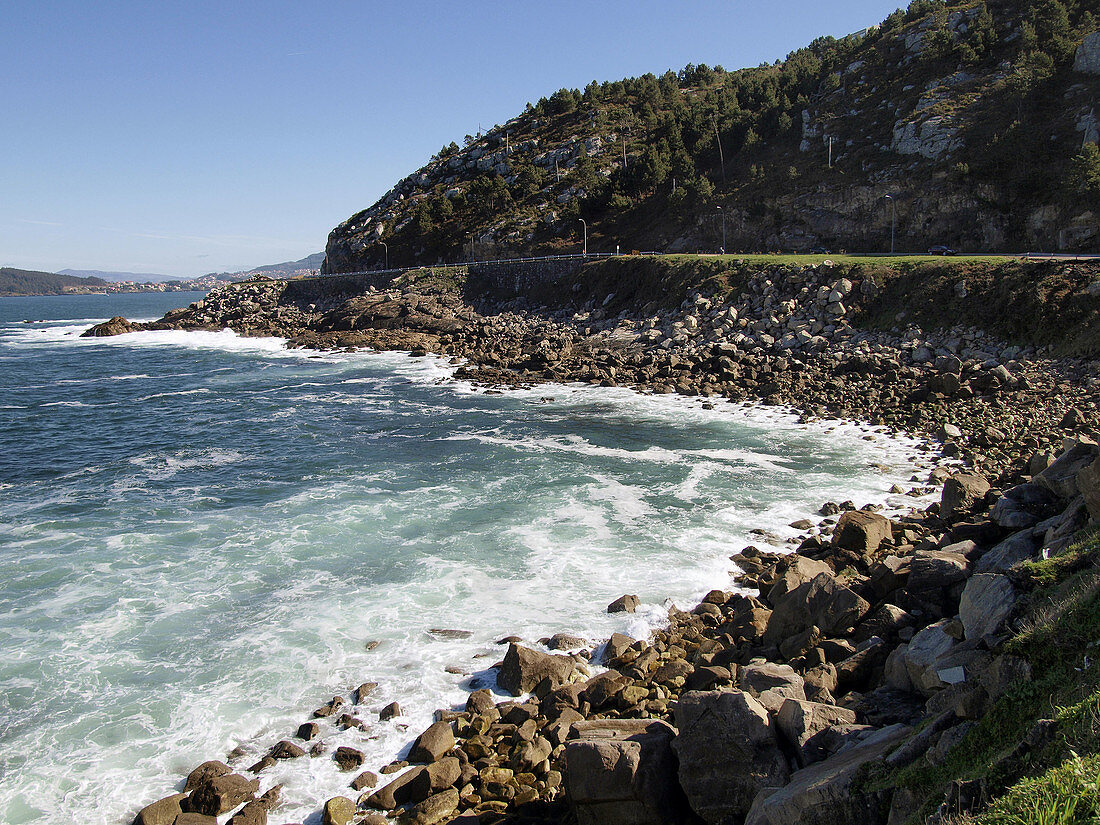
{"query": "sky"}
(186, 138)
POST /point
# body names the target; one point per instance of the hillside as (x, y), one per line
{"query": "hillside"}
(977, 119)
(29, 282)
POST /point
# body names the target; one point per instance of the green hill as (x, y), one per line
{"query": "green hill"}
(29, 282)
(977, 119)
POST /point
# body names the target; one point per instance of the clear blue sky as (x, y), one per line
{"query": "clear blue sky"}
(185, 138)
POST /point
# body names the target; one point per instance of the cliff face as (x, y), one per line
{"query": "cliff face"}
(971, 116)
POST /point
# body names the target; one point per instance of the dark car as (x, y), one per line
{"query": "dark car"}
(940, 249)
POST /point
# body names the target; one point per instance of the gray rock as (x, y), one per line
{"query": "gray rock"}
(1088, 483)
(1001, 558)
(728, 752)
(796, 570)
(861, 531)
(824, 793)
(1087, 59)
(772, 684)
(987, 601)
(799, 721)
(932, 569)
(622, 773)
(624, 604)
(1061, 476)
(1024, 505)
(921, 654)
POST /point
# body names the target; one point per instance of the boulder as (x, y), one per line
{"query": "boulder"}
(1061, 476)
(799, 721)
(432, 744)
(861, 531)
(217, 795)
(1024, 505)
(524, 668)
(623, 772)
(1088, 483)
(432, 810)
(624, 604)
(396, 792)
(771, 684)
(286, 750)
(565, 641)
(987, 601)
(348, 759)
(162, 812)
(825, 793)
(599, 690)
(1001, 558)
(116, 326)
(933, 569)
(205, 771)
(434, 778)
(338, 811)
(728, 751)
(192, 818)
(822, 602)
(795, 571)
(921, 654)
(961, 492)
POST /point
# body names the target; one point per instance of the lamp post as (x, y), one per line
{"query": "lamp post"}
(386, 250)
(585, 225)
(723, 214)
(893, 216)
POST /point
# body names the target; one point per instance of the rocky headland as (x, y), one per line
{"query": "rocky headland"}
(879, 670)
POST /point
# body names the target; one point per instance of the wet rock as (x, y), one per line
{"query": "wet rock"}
(728, 751)
(390, 711)
(162, 812)
(207, 770)
(308, 731)
(286, 750)
(624, 604)
(217, 795)
(116, 326)
(347, 758)
(364, 781)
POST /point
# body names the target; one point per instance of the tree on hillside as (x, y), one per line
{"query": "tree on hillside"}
(1084, 172)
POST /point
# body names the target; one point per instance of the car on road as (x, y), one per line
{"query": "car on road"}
(940, 249)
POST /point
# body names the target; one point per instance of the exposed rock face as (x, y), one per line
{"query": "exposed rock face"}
(623, 772)
(1087, 59)
(934, 138)
(962, 491)
(823, 794)
(823, 603)
(987, 601)
(728, 751)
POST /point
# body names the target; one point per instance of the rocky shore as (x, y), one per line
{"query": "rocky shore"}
(876, 642)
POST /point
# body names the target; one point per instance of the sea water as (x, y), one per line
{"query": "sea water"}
(204, 537)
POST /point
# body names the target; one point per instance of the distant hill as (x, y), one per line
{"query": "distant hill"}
(287, 269)
(967, 123)
(119, 277)
(29, 282)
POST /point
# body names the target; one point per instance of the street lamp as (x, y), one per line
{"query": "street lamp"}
(585, 225)
(893, 217)
(386, 250)
(723, 214)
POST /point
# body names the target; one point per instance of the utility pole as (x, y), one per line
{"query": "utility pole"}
(624, 149)
(892, 221)
(721, 154)
(386, 250)
(557, 174)
(830, 151)
(585, 225)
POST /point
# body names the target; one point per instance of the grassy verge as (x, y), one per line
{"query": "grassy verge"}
(1051, 779)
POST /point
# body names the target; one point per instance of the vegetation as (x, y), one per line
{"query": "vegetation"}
(29, 282)
(647, 161)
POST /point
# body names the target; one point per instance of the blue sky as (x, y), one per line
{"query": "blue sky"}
(185, 138)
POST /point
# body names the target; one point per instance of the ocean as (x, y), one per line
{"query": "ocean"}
(204, 537)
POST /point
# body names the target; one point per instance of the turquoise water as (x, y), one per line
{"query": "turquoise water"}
(200, 535)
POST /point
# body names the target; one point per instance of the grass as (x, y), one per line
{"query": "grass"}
(1053, 782)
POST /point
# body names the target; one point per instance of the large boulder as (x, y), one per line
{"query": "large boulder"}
(934, 569)
(433, 809)
(987, 601)
(823, 602)
(338, 811)
(1061, 476)
(623, 772)
(799, 721)
(861, 531)
(1024, 505)
(116, 326)
(162, 812)
(1001, 558)
(921, 654)
(432, 744)
(217, 795)
(825, 793)
(524, 668)
(793, 571)
(1088, 484)
(771, 684)
(728, 751)
(961, 492)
